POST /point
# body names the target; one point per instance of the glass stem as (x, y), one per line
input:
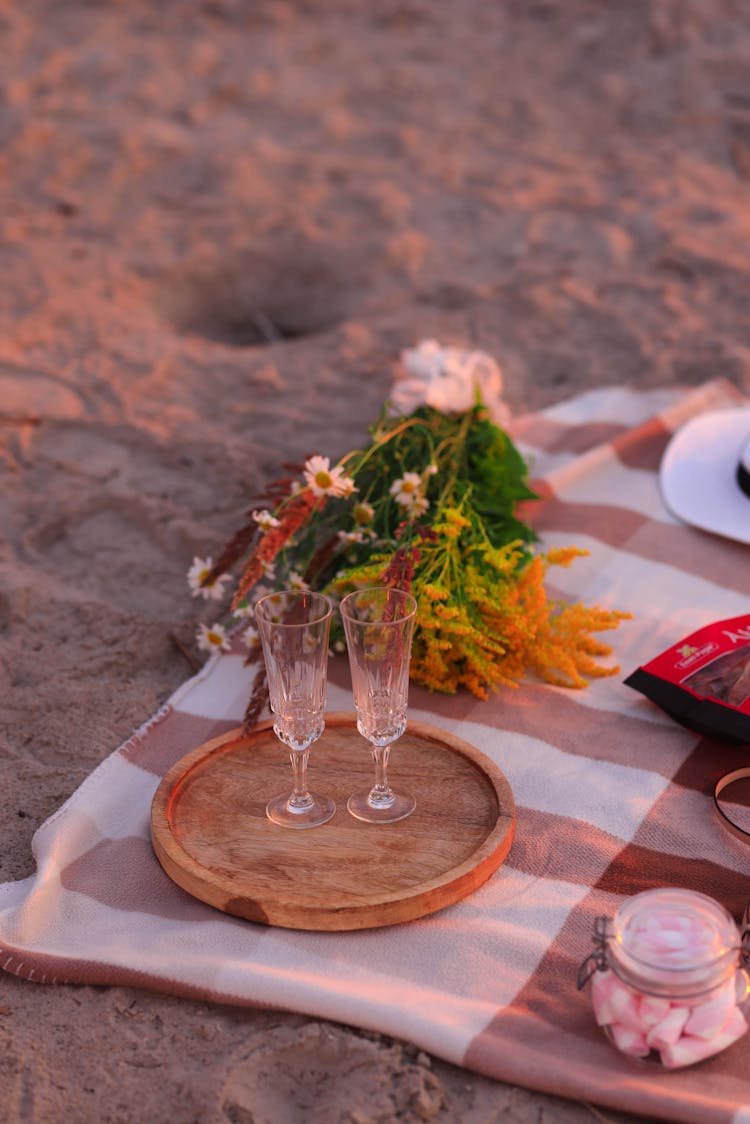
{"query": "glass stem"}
(380, 793)
(300, 797)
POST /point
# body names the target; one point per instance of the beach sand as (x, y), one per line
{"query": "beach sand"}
(222, 222)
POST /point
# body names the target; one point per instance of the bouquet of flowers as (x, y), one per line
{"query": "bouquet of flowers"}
(430, 505)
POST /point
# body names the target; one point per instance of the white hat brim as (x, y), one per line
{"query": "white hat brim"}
(698, 473)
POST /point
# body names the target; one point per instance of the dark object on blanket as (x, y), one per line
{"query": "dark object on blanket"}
(703, 681)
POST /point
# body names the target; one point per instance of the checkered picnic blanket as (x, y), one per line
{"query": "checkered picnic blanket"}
(613, 797)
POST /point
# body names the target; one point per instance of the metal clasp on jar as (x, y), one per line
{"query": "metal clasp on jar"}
(596, 961)
(745, 937)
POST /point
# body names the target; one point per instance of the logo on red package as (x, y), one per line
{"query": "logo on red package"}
(692, 656)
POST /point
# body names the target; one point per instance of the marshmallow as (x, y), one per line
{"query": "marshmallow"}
(653, 1009)
(614, 1002)
(629, 1041)
(669, 1030)
(708, 1018)
(690, 1049)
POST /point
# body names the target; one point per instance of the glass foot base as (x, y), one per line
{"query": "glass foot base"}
(363, 808)
(320, 810)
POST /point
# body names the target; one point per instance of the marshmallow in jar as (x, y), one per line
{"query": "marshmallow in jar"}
(666, 980)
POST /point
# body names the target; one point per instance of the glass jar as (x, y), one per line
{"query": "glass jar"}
(666, 977)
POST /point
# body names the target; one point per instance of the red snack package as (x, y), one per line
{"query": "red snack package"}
(703, 681)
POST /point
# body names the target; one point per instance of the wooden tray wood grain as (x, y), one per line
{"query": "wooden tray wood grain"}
(211, 835)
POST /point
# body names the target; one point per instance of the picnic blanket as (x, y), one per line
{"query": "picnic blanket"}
(613, 797)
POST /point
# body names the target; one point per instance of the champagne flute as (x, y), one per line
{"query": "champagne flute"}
(294, 627)
(379, 625)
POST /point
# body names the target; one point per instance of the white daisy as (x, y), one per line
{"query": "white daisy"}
(296, 581)
(346, 487)
(275, 601)
(326, 481)
(418, 505)
(348, 537)
(406, 489)
(200, 568)
(251, 638)
(213, 638)
(265, 520)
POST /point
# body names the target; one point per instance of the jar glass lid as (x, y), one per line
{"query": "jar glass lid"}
(673, 941)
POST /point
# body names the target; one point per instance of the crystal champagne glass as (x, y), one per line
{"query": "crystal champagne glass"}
(294, 627)
(379, 625)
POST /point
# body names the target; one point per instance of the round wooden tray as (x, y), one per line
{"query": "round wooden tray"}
(211, 835)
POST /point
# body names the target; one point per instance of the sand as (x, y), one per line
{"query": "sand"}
(222, 222)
